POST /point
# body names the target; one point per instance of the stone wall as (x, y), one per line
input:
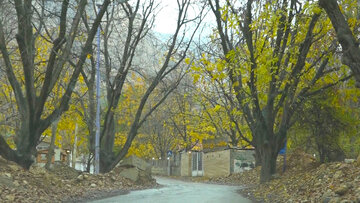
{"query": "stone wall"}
(217, 163)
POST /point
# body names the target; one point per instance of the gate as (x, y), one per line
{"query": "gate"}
(197, 167)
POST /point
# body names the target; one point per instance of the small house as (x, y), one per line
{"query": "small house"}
(220, 161)
(43, 150)
(226, 161)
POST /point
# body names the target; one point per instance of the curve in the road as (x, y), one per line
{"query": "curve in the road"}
(176, 191)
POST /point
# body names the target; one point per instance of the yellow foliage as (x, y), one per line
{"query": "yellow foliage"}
(140, 149)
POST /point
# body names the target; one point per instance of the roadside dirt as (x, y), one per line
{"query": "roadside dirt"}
(305, 180)
(62, 184)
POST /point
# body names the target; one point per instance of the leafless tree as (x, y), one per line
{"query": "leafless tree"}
(31, 95)
(139, 19)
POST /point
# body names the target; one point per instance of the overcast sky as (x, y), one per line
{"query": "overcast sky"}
(165, 22)
(166, 18)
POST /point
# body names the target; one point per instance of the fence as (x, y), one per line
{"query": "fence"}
(170, 166)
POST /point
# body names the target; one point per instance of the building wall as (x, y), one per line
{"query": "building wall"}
(217, 163)
(185, 166)
(57, 155)
(41, 157)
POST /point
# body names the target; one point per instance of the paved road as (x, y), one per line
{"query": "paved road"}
(180, 191)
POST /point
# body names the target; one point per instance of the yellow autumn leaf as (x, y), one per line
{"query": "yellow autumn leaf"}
(196, 78)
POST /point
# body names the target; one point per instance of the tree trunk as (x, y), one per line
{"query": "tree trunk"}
(88, 165)
(107, 142)
(268, 145)
(163, 155)
(106, 165)
(268, 163)
(321, 155)
(51, 153)
(92, 113)
(105, 162)
(26, 141)
(24, 161)
(257, 157)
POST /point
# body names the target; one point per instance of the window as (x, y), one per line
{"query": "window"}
(200, 161)
(43, 157)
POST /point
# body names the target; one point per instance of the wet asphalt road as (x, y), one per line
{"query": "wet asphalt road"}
(179, 191)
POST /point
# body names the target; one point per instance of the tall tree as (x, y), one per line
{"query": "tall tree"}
(32, 94)
(274, 65)
(174, 56)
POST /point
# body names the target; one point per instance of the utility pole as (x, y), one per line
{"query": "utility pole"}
(97, 135)
(73, 156)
